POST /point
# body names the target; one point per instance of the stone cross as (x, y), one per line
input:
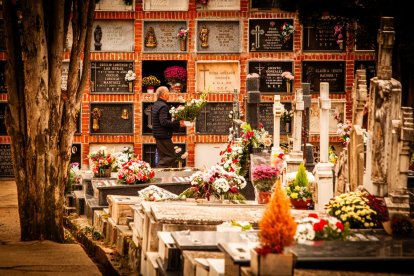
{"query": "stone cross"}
(278, 109)
(295, 157)
(386, 36)
(307, 148)
(323, 170)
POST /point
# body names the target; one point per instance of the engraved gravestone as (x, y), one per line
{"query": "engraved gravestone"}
(3, 129)
(6, 162)
(222, 77)
(219, 5)
(324, 35)
(223, 36)
(270, 73)
(147, 118)
(112, 119)
(161, 36)
(333, 72)
(337, 111)
(109, 77)
(369, 66)
(214, 118)
(266, 117)
(270, 35)
(113, 36)
(165, 5)
(3, 88)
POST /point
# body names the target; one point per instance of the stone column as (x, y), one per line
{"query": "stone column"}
(277, 113)
(323, 170)
(295, 157)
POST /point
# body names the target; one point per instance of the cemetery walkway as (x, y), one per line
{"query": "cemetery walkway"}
(36, 257)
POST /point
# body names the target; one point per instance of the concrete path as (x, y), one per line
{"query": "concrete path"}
(36, 257)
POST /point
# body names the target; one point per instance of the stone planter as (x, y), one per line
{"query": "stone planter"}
(271, 264)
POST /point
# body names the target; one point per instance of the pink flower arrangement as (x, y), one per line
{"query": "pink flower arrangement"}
(264, 177)
(344, 130)
(287, 76)
(135, 172)
(338, 34)
(182, 33)
(175, 74)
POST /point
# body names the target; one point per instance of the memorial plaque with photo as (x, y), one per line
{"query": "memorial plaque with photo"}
(6, 161)
(150, 154)
(266, 117)
(265, 35)
(214, 119)
(2, 36)
(147, 118)
(110, 118)
(3, 129)
(369, 66)
(161, 36)
(221, 77)
(76, 156)
(109, 77)
(219, 5)
(3, 88)
(113, 36)
(270, 73)
(165, 5)
(337, 111)
(333, 72)
(218, 36)
(321, 36)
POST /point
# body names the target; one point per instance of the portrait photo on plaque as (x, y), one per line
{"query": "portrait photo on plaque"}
(271, 75)
(271, 35)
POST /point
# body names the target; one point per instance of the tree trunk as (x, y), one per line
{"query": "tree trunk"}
(41, 118)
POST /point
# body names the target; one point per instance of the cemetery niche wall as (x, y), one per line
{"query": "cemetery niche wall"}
(112, 36)
(6, 163)
(222, 36)
(3, 88)
(156, 68)
(217, 77)
(324, 35)
(149, 153)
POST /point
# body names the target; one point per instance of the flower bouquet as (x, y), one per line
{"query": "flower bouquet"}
(217, 183)
(150, 81)
(287, 76)
(135, 172)
(130, 76)
(74, 176)
(263, 179)
(101, 162)
(344, 130)
(287, 116)
(190, 110)
(338, 35)
(313, 228)
(182, 33)
(286, 31)
(175, 74)
(359, 209)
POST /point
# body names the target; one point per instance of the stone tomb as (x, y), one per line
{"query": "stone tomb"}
(218, 36)
(113, 36)
(161, 36)
(217, 77)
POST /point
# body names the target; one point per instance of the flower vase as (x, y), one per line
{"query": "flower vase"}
(103, 173)
(188, 123)
(130, 86)
(183, 45)
(150, 89)
(262, 197)
(272, 263)
(288, 84)
(300, 204)
(180, 164)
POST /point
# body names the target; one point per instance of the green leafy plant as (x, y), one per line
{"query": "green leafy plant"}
(298, 188)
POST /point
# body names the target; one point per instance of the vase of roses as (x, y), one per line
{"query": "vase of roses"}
(102, 162)
(288, 78)
(129, 78)
(215, 183)
(182, 36)
(135, 171)
(263, 178)
(150, 82)
(175, 77)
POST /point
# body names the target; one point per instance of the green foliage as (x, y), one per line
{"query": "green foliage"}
(301, 179)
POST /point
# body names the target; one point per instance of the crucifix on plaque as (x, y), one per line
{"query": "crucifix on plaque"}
(204, 70)
(257, 32)
(260, 68)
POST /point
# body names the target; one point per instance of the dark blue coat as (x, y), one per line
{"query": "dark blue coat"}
(162, 126)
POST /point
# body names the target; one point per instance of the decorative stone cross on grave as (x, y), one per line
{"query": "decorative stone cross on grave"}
(257, 32)
(278, 109)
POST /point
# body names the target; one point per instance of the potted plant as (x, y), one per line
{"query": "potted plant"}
(149, 82)
(277, 231)
(130, 76)
(190, 110)
(263, 179)
(298, 190)
(101, 162)
(135, 172)
(175, 77)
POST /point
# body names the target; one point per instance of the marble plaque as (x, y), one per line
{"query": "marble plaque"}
(113, 36)
(267, 118)
(3, 129)
(3, 88)
(222, 77)
(109, 77)
(161, 36)
(219, 5)
(337, 111)
(321, 36)
(114, 118)
(6, 162)
(214, 118)
(270, 73)
(265, 35)
(113, 5)
(165, 5)
(333, 72)
(218, 36)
